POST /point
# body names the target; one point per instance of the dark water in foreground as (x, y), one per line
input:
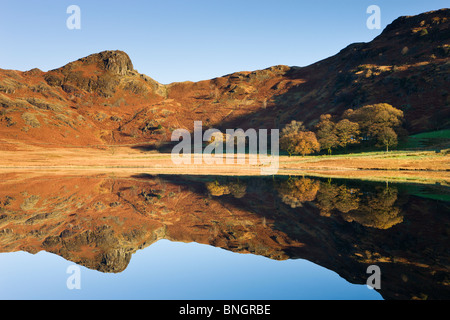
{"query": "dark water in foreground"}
(102, 236)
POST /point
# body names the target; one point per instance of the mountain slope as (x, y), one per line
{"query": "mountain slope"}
(102, 100)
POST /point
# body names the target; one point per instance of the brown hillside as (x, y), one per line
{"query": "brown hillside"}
(102, 99)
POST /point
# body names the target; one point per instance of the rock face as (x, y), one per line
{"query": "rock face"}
(117, 62)
(101, 99)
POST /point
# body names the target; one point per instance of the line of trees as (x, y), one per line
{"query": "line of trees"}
(379, 124)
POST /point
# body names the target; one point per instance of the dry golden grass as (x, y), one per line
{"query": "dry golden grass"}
(425, 167)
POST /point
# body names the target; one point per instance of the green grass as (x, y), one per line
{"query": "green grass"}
(397, 154)
(439, 139)
(433, 140)
(434, 192)
(441, 134)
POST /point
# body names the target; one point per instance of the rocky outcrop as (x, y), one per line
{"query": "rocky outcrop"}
(117, 62)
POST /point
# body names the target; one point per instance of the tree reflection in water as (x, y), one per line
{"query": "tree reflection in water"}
(371, 209)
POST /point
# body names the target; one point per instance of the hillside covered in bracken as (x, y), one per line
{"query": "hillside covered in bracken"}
(102, 100)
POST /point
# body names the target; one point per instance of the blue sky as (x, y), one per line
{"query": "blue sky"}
(179, 40)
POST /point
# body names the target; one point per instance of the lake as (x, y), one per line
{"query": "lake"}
(72, 235)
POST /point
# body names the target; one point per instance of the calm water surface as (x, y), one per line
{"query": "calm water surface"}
(69, 236)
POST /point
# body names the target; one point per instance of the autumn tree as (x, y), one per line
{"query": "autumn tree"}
(332, 135)
(236, 188)
(332, 196)
(295, 191)
(347, 132)
(380, 122)
(216, 189)
(326, 133)
(373, 118)
(302, 142)
(378, 211)
(295, 140)
(387, 138)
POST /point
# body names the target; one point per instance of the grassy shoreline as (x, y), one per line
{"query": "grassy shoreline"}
(406, 166)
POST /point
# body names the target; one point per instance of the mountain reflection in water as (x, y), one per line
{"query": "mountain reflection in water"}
(100, 220)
